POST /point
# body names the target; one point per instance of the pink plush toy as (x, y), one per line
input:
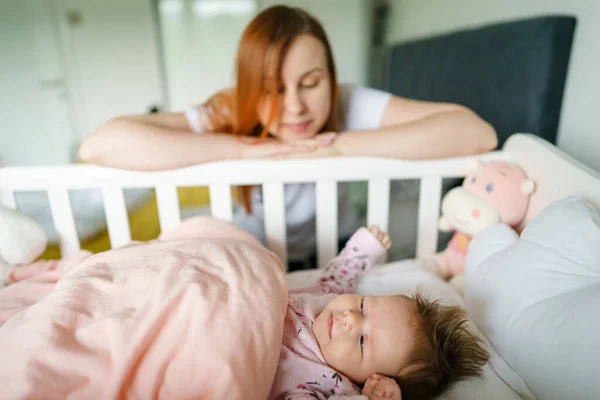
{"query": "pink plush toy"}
(495, 192)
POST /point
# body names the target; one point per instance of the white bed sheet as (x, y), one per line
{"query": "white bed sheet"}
(403, 277)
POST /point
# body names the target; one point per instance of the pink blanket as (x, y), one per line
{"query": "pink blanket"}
(193, 318)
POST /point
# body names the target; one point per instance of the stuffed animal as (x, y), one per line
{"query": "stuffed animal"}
(22, 240)
(495, 192)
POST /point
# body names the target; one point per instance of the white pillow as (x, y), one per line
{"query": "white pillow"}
(404, 277)
(537, 299)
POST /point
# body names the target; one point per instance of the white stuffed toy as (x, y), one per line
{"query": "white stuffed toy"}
(22, 240)
(494, 192)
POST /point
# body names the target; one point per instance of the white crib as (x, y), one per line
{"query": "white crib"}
(536, 156)
(556, 176)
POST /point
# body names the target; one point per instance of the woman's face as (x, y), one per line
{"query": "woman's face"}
(304, 96)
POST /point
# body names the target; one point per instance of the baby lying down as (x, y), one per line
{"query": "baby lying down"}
(335, 342)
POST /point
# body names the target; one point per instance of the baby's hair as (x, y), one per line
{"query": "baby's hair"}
(445, 352)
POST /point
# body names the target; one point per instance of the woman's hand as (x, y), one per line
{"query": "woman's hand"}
(379, 387)
(273, 148)
(330, 149)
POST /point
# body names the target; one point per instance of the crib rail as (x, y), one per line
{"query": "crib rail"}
(221, 176)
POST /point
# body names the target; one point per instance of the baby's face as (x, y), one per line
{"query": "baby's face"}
(361, 335)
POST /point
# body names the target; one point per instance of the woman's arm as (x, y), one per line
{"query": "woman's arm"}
(413, 129)
(155, 142)
(165, 141)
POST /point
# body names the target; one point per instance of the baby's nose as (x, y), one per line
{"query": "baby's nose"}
(351, 320)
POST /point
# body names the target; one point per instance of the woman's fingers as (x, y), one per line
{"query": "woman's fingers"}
(322, 140)
(277, 149)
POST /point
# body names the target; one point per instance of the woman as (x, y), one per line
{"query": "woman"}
(287, 103)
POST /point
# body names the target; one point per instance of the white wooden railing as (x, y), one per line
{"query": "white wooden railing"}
(221, 176)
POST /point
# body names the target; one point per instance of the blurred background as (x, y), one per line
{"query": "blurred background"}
(68, 65)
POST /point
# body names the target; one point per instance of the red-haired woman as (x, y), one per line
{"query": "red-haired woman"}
(287, 96)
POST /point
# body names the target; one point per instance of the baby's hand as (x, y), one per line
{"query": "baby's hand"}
(381, 387)
(381, 236)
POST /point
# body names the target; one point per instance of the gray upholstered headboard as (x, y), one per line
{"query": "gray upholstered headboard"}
(512, 74)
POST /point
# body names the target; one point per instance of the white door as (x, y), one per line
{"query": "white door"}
(113, 58)
(35, 125)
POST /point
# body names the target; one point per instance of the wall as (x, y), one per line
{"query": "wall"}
(60, 80)
(113, 54)
(200, 50)
(35, 126)
(578, 130)
(346, 23)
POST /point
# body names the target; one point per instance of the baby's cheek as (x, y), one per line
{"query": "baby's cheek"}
(341, 357)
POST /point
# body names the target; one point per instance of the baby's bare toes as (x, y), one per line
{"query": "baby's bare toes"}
(374, 229)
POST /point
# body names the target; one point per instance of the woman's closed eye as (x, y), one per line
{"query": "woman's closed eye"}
(309, 85)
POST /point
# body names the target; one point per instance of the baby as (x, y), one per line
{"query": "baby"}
(395, 347)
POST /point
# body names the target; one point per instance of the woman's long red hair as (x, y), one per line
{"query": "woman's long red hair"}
(261, 50)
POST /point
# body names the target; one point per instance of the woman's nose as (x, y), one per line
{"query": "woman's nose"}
(293, 102)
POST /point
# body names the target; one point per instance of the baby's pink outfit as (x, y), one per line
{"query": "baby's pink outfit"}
(302, 372)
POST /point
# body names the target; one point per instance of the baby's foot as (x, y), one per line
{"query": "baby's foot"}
(381, 236)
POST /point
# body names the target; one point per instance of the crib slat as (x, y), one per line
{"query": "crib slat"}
(7, 199)
(378, 206)
(429, 211)
(64, 222)
(327, 221)
(168, 207)
(116, 216)
(275, 227)
(220, 201)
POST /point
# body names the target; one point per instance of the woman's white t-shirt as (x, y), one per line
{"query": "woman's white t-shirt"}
(360, 108)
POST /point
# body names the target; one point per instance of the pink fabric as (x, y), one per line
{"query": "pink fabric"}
(184, 318)
(30, 283)
(342, 272)
(207, 227)
(302, 372)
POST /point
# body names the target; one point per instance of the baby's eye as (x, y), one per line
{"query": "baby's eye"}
(362, 301)
(362, 342)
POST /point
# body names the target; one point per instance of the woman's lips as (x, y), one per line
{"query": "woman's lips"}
(301, 127)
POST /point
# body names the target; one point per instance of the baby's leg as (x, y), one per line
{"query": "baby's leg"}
(361, 252)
